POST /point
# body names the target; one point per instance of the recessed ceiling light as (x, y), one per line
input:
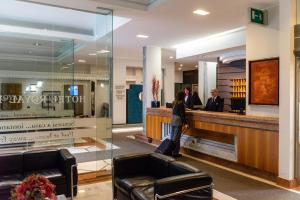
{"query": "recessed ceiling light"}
(81, 61)
(142, 36)
(201, 12)
(92, 54)
(171, 57)
(103, 51)
(179, 68)
(181, 65)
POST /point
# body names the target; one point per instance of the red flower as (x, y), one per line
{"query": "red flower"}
(34, 187)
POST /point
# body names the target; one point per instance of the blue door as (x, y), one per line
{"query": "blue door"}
(134, 104)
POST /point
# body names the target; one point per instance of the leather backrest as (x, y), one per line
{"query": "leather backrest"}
(39, 160)
(11, 164)
(158, 165)
(179, 168)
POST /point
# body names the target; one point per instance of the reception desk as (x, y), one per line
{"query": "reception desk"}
(248, 140)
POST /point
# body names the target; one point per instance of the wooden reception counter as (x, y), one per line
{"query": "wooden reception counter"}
(247, 140)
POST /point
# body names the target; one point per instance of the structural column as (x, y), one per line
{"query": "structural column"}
(287, 92)
(152, 68)
(169, 82)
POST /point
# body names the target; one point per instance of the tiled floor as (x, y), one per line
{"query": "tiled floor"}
(95, 191)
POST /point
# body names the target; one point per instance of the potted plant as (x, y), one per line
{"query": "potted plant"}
(34, 187)
(155, 88)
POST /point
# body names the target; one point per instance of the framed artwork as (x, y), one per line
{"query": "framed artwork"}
(264, 82)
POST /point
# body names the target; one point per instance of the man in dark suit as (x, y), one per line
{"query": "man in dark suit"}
(214, 103)
(188, 99)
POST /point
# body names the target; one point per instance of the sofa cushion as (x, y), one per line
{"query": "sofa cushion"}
(11, 164)
(7, 182)
(143, 193)
(40, 160)
(158, 165)
(127, 184)
(179, 168)
(54, 175)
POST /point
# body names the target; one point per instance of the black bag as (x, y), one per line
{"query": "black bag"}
(166, 147)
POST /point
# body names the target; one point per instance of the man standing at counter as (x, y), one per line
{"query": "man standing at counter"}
(215, 103)
(188, 100)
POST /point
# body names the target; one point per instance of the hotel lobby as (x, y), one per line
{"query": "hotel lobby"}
(149, 99)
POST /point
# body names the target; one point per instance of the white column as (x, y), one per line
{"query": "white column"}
(169, 82)
(152, 67)
(287, 90)
(201, 81)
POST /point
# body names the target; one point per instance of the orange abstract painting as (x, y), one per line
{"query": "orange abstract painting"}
(264, 82)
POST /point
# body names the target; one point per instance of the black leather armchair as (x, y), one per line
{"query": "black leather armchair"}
(59, 166)
(155, 176)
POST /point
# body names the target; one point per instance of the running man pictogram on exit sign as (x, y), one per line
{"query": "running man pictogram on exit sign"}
(258, 16)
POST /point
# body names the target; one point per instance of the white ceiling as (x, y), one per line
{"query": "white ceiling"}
(169, 23)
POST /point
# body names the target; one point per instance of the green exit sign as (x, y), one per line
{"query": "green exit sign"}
(258, 16)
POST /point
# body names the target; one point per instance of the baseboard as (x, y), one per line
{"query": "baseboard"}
(287, 183)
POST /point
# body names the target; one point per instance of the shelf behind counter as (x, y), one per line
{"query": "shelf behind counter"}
(255, 138)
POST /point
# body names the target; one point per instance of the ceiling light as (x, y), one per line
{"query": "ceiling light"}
(65, 67)
(103, 51)
(92, 54)
(181, 65)
(69, 64)
(171, 57)
(142, 36)
(81, 61)
(201, 12)
(179, 68)
(81, 191)
(196, 66)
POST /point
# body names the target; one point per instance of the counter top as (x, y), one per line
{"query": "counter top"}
(248, 121)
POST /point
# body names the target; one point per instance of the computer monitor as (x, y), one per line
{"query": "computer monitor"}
(74, 90)
(238, 104)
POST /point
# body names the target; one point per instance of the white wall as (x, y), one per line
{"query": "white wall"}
(287, 90)
(119, 79)
(178, 76)
(211, 75)
(169, 82)
(207, 72)
(221, 41)
(152, 68)
(262, 42)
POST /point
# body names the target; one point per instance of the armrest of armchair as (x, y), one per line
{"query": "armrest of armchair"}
(182, 184)
(128, 165)
(69, 168)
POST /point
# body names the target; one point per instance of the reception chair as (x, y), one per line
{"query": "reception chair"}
(154, 176)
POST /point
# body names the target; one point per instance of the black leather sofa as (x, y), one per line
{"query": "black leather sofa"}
(56, 165)
(155, 176)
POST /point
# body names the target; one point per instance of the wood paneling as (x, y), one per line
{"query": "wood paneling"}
(257, 139)
(256, 148)
(226, 72)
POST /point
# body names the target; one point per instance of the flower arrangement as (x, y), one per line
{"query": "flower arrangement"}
(155, 88)
(34, 187)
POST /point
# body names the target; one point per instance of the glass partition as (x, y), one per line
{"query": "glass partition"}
(55, 82)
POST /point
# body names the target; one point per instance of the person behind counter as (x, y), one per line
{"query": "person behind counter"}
(196, 101)
(178, 120)
(215, 103)
(188, 100)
